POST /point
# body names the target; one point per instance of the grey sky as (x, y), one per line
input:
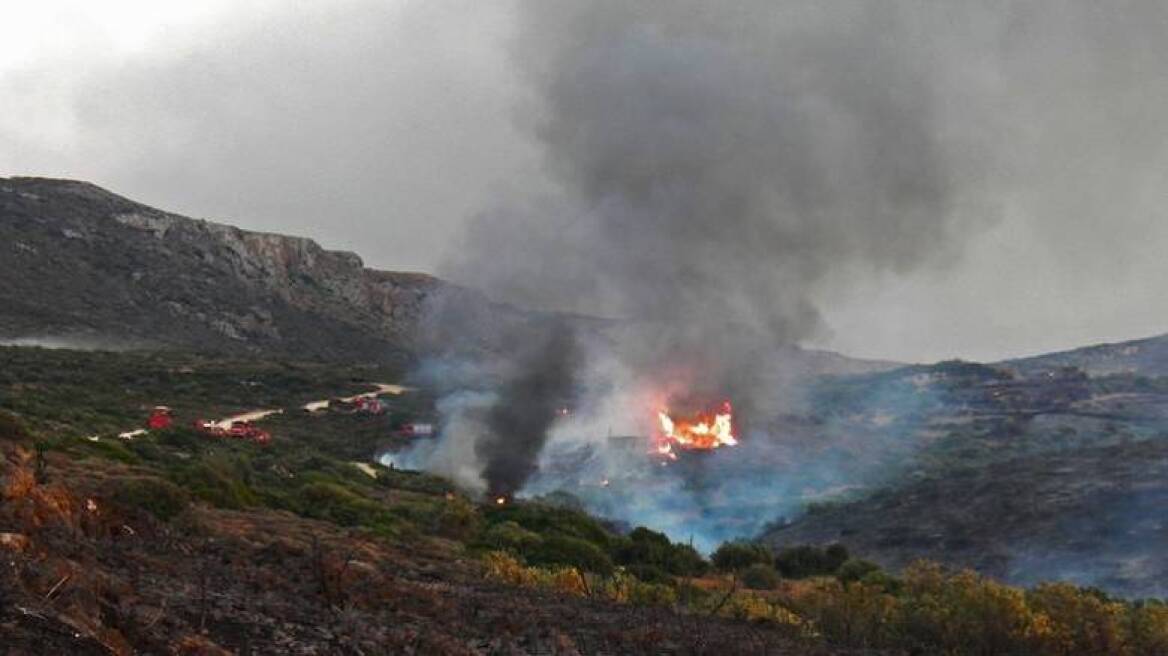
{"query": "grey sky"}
(384, 127)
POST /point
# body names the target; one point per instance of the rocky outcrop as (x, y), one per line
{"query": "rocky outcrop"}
(87, 266)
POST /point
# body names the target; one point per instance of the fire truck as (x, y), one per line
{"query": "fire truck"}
(160, 418)
(415, 430)
(240, 430)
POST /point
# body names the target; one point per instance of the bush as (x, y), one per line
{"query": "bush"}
(551, 520)
(803, 561)
(505, 568)
(564, 580)
(686, 561)
(412, 481)
(649, 573)
(339, 505)
(181, 437)
(458, 519)
(760, 576)
(652, 594)
(1081, 617)
(112, 450)
(573, 552)
(160, 498)
(510, 537)
(11, 428)
(735, 556)
(652, 552)
(217, 482)
(856, 569)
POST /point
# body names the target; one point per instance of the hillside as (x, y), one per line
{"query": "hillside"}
(1145, 357)
(1022, 476)
(87, 267)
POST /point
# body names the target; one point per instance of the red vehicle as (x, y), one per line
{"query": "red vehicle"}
(369, 405)
(245, 430)
(159, 418)
(240, 430)
(208, 427)
(415, 430)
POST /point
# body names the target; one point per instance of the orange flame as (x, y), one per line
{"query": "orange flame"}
(705, 431)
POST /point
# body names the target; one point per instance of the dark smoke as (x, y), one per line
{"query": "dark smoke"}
(715, 166)
(527, 404)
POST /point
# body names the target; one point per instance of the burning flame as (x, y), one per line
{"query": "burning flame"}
(709, 430)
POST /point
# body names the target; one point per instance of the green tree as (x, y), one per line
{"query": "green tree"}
(736, 556)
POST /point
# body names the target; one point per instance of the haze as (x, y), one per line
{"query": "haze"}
(384, 128)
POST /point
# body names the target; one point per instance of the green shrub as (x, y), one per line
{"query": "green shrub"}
(573, 552)
(218, 482)
(510, 537)
(686, 561)
(412, 481)
(418, 512)
(111, 450)
(652, 594)
(181, 437)
(649, 573)
(803, 561)
(457, 519)
(646, 550)
(549, 520)
(339, 505)
(856, 569)
(880, 580)
(760, 576)
(147, 450)
(11, 428)
(735, 556)
(160, 498)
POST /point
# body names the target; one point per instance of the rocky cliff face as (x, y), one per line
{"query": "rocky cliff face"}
(83, 265)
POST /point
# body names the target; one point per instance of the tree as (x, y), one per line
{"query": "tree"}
(736, 556)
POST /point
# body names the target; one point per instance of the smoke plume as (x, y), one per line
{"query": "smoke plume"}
(528, 402)
(713, 166)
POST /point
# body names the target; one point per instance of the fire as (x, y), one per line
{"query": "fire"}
(500, 501)
(707, 430)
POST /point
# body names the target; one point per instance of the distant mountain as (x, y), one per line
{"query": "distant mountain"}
(1146, 357)
(86, 267)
